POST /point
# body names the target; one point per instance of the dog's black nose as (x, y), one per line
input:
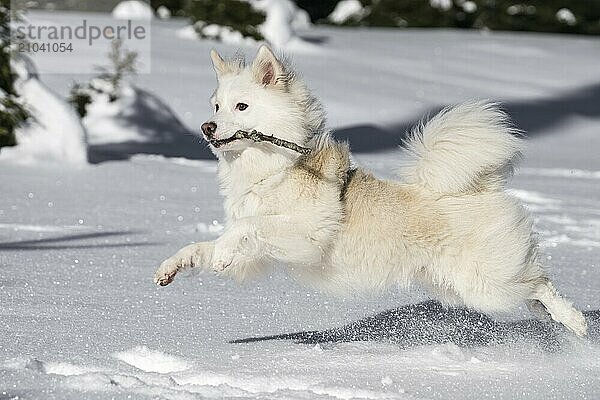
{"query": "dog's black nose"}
(209, 129)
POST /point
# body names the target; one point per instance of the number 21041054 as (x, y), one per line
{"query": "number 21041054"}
(44, 47)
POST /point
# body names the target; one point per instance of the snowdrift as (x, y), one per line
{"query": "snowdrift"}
(137, 122)
(53, 134)
(283, 19)
(134, 10)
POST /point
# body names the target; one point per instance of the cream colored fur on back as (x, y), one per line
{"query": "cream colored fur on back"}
(446, 224)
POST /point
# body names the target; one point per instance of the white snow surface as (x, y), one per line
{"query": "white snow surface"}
(187, 32)
(82, 319)
(133, 10)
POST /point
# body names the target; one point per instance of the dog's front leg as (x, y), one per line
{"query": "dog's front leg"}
(253, 241)
(238, 246)
(194, 255)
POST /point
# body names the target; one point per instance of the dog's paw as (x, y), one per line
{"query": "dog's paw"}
(166, 272)
(163, 278)
(222, 259)
(577, 323)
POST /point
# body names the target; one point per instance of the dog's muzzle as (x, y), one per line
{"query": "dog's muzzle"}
(209, 129)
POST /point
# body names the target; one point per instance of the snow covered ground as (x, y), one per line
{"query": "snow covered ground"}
(81, 317)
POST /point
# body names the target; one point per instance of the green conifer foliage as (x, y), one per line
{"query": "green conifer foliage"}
(236, 14)
(12, 112)
(583, 17)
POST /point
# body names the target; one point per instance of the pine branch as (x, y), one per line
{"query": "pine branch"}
(261, 137)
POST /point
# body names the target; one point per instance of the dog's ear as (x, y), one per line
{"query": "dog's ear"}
(219, 65)
(266, 68)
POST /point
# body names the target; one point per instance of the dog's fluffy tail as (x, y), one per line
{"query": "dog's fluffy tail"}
(470, 147)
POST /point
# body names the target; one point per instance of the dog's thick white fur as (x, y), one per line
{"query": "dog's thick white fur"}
(446, 224)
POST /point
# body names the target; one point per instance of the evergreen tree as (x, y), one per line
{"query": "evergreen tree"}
(109, 82)
(317, 9)
(527, 15)
(236, 14)
(12, 112)
(177, 7)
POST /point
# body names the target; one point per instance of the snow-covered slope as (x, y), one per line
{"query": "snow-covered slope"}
(81, 317)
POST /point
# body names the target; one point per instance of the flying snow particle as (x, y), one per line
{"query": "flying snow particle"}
(386, 381)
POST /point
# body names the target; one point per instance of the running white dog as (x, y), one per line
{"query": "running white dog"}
(446, 224)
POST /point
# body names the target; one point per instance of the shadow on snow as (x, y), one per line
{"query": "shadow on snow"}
(431, 323)
(48, 243)
(161, 133)
(532, 117)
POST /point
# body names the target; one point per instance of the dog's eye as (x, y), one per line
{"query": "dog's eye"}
(241, 106)
(216, 108)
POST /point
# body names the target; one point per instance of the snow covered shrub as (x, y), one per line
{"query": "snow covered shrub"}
(237, 15)
(80, 97)
(47, 130)
(541, 15)
(346, 10)
(136, 10)
(239, 21)
(122, 63)
(518, 15)
(12, 115)
(12, 112)
(175, 7)
(394, 13)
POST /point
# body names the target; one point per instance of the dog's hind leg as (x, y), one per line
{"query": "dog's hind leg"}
(560, 309)
(538, 310)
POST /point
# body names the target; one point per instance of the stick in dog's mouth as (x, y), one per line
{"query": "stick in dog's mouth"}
(256, 136)
(221, 142)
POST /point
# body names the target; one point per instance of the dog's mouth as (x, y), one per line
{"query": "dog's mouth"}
(216, 143)
(221, 142)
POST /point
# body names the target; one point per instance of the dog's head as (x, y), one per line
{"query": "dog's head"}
(265, 96)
